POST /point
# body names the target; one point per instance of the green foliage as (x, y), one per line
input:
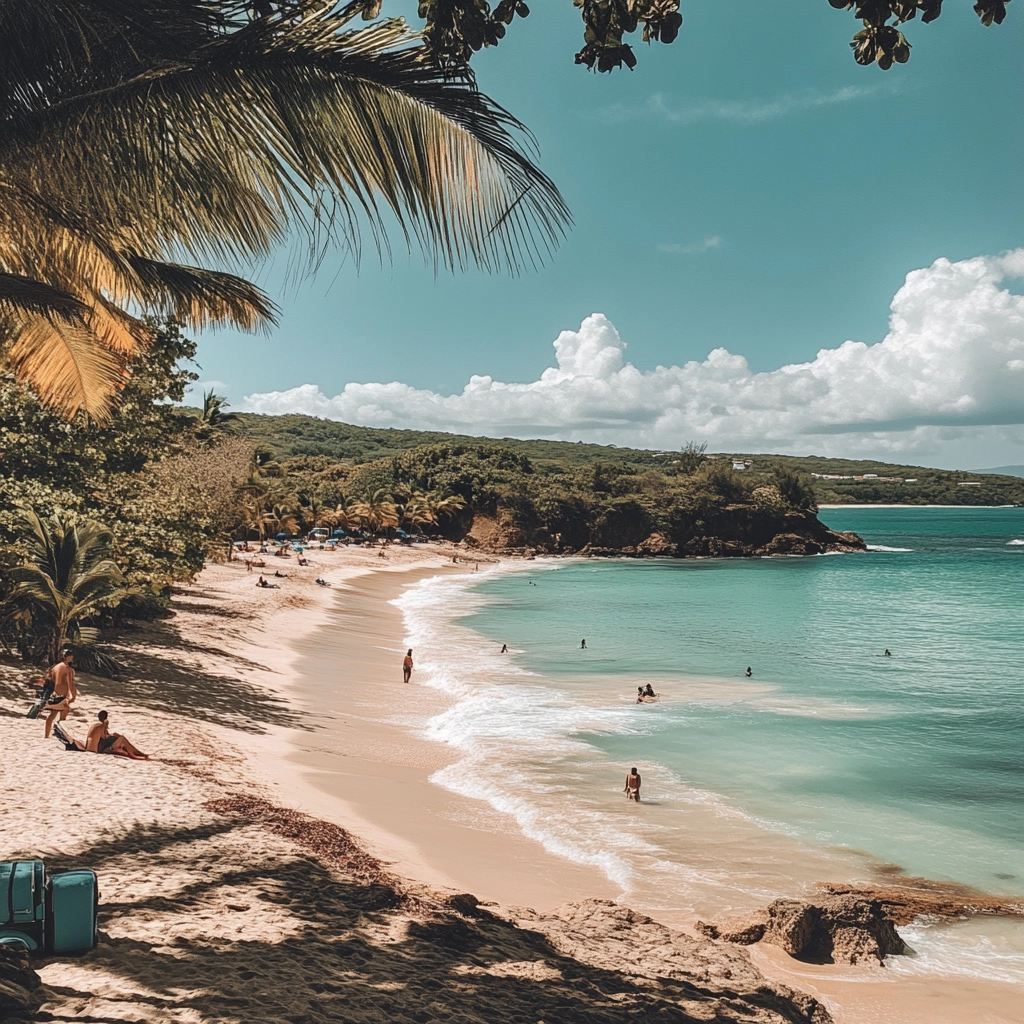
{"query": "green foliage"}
(796, 492)
(456, 29)
(67, 577)
(165, 494)
(881, 42)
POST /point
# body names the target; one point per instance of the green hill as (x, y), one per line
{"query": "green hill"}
(859, 481)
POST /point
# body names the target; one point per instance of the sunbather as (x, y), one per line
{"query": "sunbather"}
(101, 740)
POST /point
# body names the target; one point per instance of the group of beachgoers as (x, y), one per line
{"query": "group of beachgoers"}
(58, 691)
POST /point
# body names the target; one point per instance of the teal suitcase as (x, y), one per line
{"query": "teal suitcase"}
(71, 917)
(22, 904)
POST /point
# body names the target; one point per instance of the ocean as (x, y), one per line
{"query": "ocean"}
(832, 760)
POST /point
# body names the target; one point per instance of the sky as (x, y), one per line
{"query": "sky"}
(773, 249)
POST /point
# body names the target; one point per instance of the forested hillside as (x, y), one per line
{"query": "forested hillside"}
(880, 482)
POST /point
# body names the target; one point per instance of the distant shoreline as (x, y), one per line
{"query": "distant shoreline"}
(908, 505)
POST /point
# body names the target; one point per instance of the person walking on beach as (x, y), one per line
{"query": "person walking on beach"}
(64, 691)
(632, 788)
(407, 665)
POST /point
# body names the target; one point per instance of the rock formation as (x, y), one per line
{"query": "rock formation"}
(849, 924)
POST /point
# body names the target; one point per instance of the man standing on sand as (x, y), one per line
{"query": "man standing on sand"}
(632, 788)
(100, 740)
(64, 691)
(407, 666)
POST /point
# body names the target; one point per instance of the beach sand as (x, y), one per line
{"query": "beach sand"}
(233, 886)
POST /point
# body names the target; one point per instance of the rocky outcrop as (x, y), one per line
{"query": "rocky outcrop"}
(916, 897)
(851, 924)
(718, 983)
(838, 929)
(19, 984)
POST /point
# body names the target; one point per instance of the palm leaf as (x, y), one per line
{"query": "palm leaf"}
(63, 362)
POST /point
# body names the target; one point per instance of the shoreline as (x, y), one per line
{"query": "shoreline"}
(245, 677)
(905, 505)
(376, 781)
(854, 994)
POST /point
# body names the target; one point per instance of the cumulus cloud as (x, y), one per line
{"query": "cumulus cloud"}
(755, 111)
(951, 366)
(691, 248)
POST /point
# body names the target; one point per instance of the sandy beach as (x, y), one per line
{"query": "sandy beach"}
(285, 856)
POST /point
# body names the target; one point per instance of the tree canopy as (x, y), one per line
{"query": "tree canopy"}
(455, 29)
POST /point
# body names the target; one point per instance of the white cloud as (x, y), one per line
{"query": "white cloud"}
(691, 248)
(950, 370)
(740, 111)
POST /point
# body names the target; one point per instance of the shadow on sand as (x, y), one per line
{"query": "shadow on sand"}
(361, 951)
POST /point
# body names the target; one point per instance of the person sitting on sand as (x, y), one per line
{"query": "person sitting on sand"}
(303, 560)
(280, 575)
(101, 740)
(64, 691)
(632, 788)
(407, 666)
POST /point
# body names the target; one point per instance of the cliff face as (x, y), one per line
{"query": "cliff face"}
(735, 531)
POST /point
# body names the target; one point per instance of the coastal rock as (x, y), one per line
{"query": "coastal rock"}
(744, 931)
(915, 897)
(656, 544)
(617, 939)
(838, 929)
(791, 544)
(19, 983)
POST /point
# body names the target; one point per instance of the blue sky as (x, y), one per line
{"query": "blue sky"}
(749, 188)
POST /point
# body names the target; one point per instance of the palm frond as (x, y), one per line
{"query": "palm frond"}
(200, 297)
(64, 362)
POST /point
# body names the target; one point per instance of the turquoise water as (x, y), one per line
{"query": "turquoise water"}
(915, 760)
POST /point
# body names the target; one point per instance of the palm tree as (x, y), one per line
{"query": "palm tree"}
(138, 134)
(443, 505)
(213, 414)
(346, 516)
(377, 512)
(416, 512)
(68, 576)
(281, 519)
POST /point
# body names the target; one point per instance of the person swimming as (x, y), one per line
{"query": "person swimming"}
(888, 653)
(649, 692)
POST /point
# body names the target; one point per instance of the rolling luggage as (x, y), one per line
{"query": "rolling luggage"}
(72, 899)
(22, 904)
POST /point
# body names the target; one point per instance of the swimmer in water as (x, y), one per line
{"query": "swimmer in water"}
(649, 692)
(632, 787)
(888, 653)
(749, 672)
(504, 648)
